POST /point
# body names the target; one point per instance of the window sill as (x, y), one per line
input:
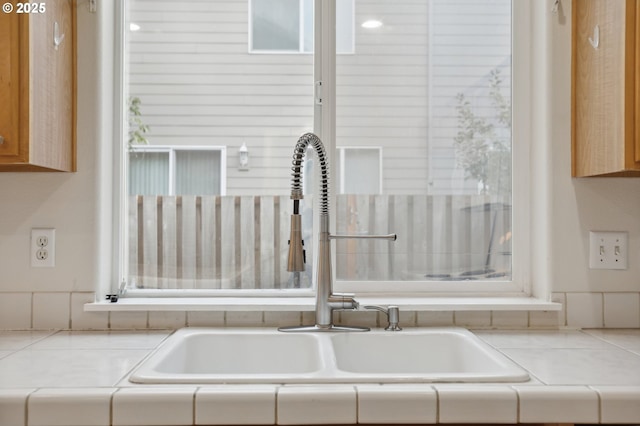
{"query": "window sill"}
(308, 304)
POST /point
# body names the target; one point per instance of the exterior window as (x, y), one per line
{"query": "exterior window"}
(176, 171)
(360, 170)
(424, 144)
(278, 26)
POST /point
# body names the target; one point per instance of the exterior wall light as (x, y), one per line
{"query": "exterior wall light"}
(243, 157)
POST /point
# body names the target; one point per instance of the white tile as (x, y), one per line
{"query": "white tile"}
(236, 405)
(153, 406)
(13, 406)
(477, 404)
(282, 319)
(15, 311)
(557, 404)
(434, 318)
(576, 366)
(396, 404)
(51, 311)
(627, 339)
(71, 407)
(316, 405)
(67, 368)
(81, 320)
(472, 318)
(584, 310)
(550, 319)
(167, 320)
(243, 318)
(621, 310)
(112, 339)
(360, 319)
(15, 340)
(205, 319)
(308, 317)
(619, 404)
(510, 319)
(541, 339)
(128, 320)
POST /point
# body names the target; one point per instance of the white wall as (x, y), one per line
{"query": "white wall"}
(44, 298)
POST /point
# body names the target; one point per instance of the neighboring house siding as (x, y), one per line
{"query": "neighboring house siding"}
(200, 86)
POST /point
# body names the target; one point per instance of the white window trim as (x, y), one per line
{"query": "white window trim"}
(171, 150)
(520, 284)
(110, 185)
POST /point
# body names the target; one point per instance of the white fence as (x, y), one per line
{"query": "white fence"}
(240, 242)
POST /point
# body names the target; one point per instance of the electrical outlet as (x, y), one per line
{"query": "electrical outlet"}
(608, 250)
(43, 247)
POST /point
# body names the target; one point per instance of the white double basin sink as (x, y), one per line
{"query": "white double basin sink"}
(219, 355)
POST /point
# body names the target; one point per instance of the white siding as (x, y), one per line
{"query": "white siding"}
(190, 66)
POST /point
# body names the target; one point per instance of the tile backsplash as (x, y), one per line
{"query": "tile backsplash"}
(63, 310)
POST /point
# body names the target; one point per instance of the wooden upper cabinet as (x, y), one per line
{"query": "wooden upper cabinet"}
(37, 88)
(605, 109)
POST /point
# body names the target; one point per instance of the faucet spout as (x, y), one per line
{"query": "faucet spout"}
(326, 300)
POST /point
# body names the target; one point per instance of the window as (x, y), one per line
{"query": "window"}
(159, 170)
(278, 26)
(424, 143)
(360, 170)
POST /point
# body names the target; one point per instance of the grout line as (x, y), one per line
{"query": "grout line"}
(275, 408)
(26, 407)
(435, 389)
(69, 312)
(193, 409)
(32, 312)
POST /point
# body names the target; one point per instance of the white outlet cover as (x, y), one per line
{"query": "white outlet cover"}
(608, 250)
(48, 260)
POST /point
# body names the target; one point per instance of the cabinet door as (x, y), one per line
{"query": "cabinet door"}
(604, 43)
(9, 86)
(52, 72)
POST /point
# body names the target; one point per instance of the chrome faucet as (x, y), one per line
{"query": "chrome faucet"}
(326, 300)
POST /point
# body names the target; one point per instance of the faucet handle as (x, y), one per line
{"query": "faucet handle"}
(393, 316)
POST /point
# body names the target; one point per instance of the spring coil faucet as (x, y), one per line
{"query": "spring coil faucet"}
(326, 300)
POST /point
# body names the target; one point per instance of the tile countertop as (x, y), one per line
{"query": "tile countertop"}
(80, 378)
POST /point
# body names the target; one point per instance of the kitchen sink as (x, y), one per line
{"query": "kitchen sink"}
(421, 355)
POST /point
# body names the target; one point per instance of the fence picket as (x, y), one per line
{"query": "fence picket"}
(228, 271)
(189, 250)
(246, 231)
(267, 244)
(151, 247)
(169, 267)
(209, 277)
(132, 230)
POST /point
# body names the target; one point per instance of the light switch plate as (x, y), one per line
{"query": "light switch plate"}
(608, 250)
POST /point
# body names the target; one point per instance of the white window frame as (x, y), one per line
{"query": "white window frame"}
(172, 149)
(324, 126)
(520, 283)
(301, 33)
